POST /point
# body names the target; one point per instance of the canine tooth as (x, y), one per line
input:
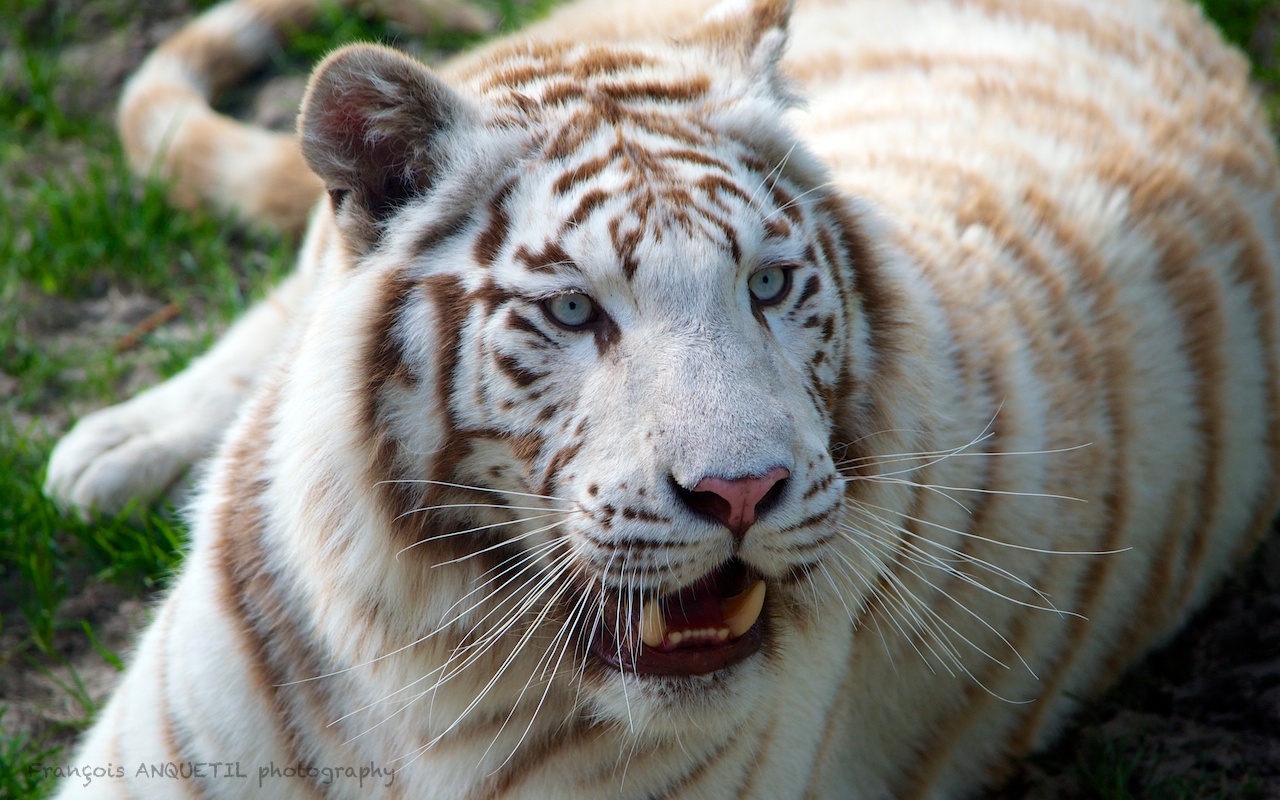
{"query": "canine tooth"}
(653, 628)
(741, 611)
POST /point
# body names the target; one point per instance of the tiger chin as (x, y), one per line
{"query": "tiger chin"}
(659, 412)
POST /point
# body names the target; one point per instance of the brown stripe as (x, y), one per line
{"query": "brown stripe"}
(1149, 615)
(1262, 281)
(818, 486)
(758, 758)
(922, 778)
(785, 203)
(558, 462)
(398, 499)
(517, 321)
(677, 126)
(982, 206)
(437, 234)
(811, 287)
(561, 92)
(857, 273)
(810, 521)
(625, 245)
(835, 712)
(385, 364)
(700, 769)
(729, 234)
(534, 755)
(893, 569)
(1111, 338)
(655, 91)
(1109, 35)
(275, 649)
(552, 257)
(583, 172)
(947, 591)
(1197, 299)
(178, 744)
(517, 76)
(776, 227)
(399, 495)
(715, 185)
(491, 240)
(608, 61)
(384, 357)
(517, 372)
(692, 156)
(489, 295)
(114, 749)
(581, 126)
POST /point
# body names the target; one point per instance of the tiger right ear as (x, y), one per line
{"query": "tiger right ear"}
(749, 34)
(377, 127)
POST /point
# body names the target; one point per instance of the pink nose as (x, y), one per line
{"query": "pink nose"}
(734, 502)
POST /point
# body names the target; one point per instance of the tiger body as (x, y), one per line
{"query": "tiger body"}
(1022, 381)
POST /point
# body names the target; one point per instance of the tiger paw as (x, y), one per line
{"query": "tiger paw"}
(134, 450)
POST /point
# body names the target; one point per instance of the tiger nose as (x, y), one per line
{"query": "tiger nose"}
(735, 501)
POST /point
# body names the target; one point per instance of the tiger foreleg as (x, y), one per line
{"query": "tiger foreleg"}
(138, 449)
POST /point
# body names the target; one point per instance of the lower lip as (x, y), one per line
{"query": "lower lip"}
(688, 661)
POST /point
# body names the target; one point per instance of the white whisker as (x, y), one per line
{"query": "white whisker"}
(488, 505)
(793, 201)
(1010, 545)
(473, 488)
(944, 489)
(476, 529)
(497, 545)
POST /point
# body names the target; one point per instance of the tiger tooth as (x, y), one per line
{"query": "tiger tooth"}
(741, 611)
(653, 627)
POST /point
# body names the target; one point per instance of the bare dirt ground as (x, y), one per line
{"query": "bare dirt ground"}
(1200, 718)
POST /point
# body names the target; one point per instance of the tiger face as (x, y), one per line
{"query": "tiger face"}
(612, 332)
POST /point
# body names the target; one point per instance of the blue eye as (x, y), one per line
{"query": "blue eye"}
(572, 310)
(769, 285)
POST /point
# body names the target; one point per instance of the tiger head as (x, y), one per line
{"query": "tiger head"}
(612, 326)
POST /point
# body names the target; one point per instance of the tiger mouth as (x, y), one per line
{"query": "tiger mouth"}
(709, 625)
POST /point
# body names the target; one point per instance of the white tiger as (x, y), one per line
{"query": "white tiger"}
(633, 427)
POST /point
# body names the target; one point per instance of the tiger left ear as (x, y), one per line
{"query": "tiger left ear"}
(379, 128)
(750, 35)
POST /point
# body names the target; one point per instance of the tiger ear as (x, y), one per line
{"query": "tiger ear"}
(750, 35)
(378, 128)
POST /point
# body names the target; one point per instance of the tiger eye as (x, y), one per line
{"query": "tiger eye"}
(572, 310)
(769, 286)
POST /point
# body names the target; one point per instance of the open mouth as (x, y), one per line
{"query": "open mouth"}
(711, 624)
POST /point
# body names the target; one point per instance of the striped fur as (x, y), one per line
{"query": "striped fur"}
(1024, 381)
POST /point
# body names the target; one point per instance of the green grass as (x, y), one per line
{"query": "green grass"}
(21, 758)
(77, 223)
(1239, 20)
(1118, 769)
